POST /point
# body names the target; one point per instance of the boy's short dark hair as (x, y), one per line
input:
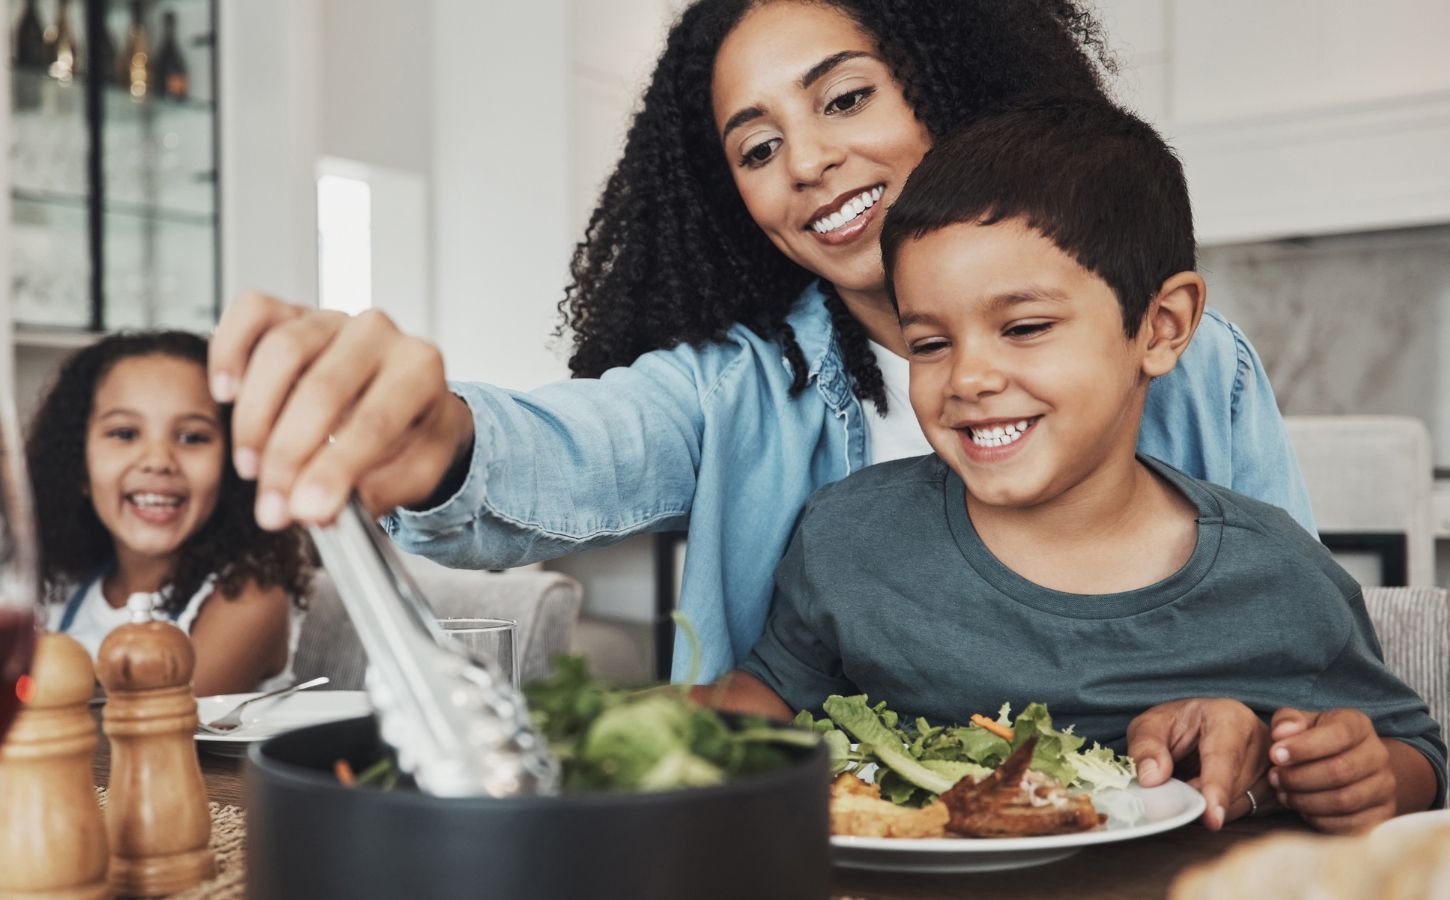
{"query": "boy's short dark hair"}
(1094, 179)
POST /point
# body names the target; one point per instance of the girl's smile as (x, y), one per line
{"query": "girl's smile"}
(154, 454)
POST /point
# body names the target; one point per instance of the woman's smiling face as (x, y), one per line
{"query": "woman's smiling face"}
(818, 135)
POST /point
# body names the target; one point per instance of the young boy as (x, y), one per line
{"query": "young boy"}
(1042, 263)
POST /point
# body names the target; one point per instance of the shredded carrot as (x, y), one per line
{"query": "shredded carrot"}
(343, 771)
(1000, 730)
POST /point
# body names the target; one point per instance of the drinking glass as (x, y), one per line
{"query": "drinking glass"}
(489, 642)
(19, 573)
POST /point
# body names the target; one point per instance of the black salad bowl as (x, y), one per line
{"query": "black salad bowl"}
(310, 838)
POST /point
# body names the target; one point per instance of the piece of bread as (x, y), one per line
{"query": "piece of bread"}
(1318, 867)
(861, 815)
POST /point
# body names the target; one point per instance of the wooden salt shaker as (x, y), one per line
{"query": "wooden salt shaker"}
(157, 811)
(52, 837)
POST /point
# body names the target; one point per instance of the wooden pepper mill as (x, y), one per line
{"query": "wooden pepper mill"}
(156, 812)
(52, 837)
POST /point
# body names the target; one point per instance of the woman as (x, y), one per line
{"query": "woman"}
(729, 316)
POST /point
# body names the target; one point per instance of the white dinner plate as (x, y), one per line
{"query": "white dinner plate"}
(1166, 807)
(270, 717)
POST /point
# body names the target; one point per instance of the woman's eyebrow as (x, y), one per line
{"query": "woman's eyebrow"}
(813, 74)
(817, 71)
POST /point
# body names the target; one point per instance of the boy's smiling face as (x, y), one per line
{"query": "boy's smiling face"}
(1022, 376)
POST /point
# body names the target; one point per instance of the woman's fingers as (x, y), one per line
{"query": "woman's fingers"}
(278, 361)
(242, 325)
(398, 482)
(1150, 738)
(1263, 801)
(402, 429)
(1231, 754)
(323, 401)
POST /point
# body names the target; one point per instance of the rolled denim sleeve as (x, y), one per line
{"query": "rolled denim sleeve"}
(577, 464)
(1265, 466)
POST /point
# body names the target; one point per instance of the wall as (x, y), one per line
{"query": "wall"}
(501, 165)
(270, 98)
(377, 82)
(1295, 117)
(614, 46)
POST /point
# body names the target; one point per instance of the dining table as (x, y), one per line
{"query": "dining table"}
(1138, 869)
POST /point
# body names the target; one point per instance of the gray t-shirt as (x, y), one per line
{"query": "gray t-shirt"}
(887, 590)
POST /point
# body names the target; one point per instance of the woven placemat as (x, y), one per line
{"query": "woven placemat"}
(229, 843)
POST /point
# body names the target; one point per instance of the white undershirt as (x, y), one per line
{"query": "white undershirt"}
(96, 618)
(897, 434)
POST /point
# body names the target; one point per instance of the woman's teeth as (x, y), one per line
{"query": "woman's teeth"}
(848, 211)
(1001, 435)
(154, 501)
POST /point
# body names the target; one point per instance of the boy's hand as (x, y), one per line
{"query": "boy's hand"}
(1332, 769)
(1229, 742)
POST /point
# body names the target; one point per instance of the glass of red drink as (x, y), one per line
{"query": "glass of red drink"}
(19, 572)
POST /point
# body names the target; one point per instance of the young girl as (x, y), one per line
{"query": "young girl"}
(135, 491)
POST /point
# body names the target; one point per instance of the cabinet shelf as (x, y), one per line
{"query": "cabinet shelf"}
(115, 204)
(141, 211)
(38, 83)
(43, 338)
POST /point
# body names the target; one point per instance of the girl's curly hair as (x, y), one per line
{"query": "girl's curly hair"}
(74, 545)
(671, 254)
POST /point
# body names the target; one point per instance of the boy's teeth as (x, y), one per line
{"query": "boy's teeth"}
(848, 211)
(1000, 435)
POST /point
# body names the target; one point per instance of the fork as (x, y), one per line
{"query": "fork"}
(233, 720)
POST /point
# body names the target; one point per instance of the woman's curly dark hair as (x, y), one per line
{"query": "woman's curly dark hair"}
(671, 255)
(74, 545)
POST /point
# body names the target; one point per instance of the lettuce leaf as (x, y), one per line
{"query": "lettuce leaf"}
(917, 760)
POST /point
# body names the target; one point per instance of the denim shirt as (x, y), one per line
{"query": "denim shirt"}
(709, 440)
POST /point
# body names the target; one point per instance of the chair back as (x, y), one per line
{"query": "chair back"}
(544, 606)
(1413, 625)
(1371, 478)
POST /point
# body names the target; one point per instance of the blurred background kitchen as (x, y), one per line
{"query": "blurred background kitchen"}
(437, 159)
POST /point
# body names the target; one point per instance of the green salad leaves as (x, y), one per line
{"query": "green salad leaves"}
(915, 761)
(652, 739)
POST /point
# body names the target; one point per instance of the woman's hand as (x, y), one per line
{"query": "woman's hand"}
(326, 404)
(1333, 769)
(1226, 739)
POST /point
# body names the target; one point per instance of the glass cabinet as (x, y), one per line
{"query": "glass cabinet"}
(113, 162)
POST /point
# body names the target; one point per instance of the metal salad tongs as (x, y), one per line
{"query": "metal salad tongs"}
(459, 728)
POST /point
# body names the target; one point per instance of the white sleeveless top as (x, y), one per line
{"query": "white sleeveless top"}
(94, 618)
(897, 434)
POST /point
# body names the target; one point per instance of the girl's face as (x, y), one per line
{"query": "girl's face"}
(818, 135)
(154, 454)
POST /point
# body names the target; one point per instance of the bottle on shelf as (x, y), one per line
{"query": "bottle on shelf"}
(31, 50)
(31, 55)
(132, 68)
(170, 75)
(61, 46)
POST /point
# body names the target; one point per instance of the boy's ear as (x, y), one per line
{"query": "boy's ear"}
(1170, 322)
